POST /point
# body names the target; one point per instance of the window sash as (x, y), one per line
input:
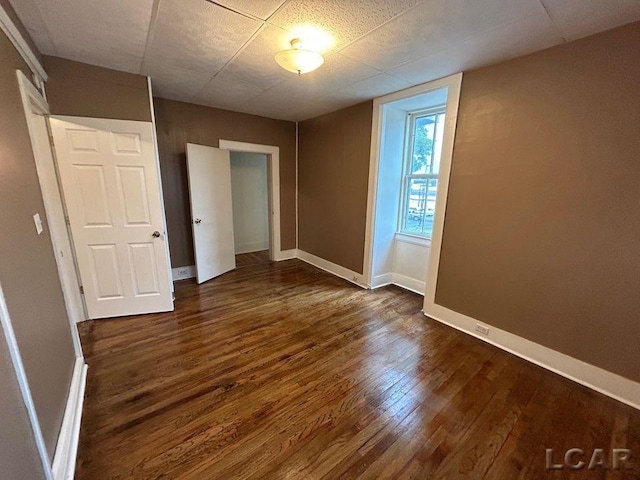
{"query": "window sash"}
(408, 176)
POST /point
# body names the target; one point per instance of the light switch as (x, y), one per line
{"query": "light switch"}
(38, 222)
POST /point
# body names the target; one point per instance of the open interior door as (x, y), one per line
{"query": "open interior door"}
(209, 171)
(111, 187)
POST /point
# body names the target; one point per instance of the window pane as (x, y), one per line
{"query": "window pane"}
(420, 206)
(432, 190)
(423, 136)
(416, 204)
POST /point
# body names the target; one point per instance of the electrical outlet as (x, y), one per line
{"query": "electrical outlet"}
(482, 329)
(183, 272)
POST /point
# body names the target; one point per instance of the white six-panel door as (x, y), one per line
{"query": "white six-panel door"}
(111, 188)
(209, 171)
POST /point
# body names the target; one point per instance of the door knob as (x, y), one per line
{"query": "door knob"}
(197, 221)
(156, 234)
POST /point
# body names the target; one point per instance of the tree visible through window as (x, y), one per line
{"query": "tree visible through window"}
(422, 167)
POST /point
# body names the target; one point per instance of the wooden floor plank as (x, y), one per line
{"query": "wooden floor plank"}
(280, 370)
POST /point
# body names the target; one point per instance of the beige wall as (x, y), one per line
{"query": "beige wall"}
(83, 90)
(28, 272)
(542, 227)
(333, 169)
(180, 123)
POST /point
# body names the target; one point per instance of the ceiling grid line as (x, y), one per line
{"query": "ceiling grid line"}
(155, 9)
(551, 19)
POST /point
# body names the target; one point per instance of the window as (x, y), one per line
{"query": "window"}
(423, 149)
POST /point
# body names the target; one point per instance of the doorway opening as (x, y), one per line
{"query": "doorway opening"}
(271, 154)
(250, 199)
(211, 197)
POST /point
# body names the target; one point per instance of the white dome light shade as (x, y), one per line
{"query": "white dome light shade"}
(298, 60)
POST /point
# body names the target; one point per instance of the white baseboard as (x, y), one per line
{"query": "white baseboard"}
(64, 459)
(408, 283)
(381, 280)
(285, 255)
(608, 383)
(252, 247)
(402, 281)
(183, 273)
(333, 268)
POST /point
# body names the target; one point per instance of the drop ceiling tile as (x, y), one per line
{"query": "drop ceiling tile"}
(118, 26)
(256, 64)
(279, 97)
(579, 18)
(298, 91)
(344, 20)
(42, 41)
(28, 12)
(336, 72)
(506, 41)
(433, 24)
(174, 81)
(371, 88)
(319, 106)
(197, 35)
(511, 40)
(253, 108)
(437, 64)
(225, 92)
(258, 8)
(103, 58)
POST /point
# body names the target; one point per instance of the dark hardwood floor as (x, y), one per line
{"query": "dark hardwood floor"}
(252, 258)
(281, 371)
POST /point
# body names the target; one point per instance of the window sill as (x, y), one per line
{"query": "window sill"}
(413, 239)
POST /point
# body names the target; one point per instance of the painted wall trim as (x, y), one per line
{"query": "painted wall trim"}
(333, 268)
(402, 281)
(21, 375)
(273, 152)
(286, 255)
(21, 45)
(408, 283)
(64, 459)
(608, 383)
(183, 273)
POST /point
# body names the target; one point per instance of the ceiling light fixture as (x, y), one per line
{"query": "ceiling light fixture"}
(298, 59)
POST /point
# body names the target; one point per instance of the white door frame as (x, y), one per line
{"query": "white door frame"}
(34, 102)
(164, 210)
(453, 84)
(273, 159)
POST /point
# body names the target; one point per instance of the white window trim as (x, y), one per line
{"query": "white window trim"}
(453, 83)
(413, 239)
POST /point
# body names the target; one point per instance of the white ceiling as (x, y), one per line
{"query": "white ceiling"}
(221, 54)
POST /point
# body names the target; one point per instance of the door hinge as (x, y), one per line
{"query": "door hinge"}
(81, 289)
(51, 141)
(66, 219)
